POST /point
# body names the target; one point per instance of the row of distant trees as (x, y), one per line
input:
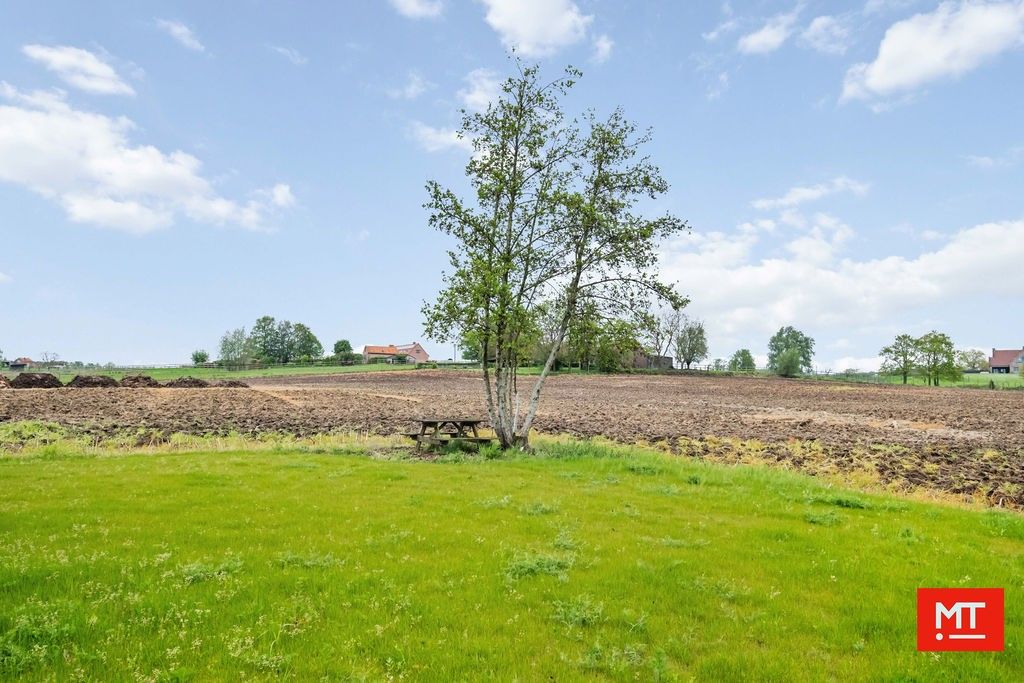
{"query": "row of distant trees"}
(270, 342)
(932, 356)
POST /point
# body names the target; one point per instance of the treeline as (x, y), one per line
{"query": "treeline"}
(931, 356)
(272, 342)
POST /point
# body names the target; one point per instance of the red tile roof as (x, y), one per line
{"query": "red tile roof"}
(389, 350)
(1004, 357)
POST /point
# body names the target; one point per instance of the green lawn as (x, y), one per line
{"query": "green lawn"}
(581, 562)
(165, 374)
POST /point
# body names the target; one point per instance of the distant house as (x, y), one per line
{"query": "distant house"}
(649, 361)
(1005, 361)
(395, 354)
(21, 363)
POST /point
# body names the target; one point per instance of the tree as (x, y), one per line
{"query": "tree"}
(972, 359)
(553, 224)
(342, 346)
(306, 345)
(235, 347)
(936, 358)
(199, 357)
(264, 339)
(742, 361)
(691, 342)
(900, 357)
(662, 329)
(285, 342)
(789, 363)
(616, 346)
(790, 338)
(48, 357)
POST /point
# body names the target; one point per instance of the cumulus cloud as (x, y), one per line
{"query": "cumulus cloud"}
(79, 68)
(770, 37)
(954, 39)
(602, 49)
(744, 288)
(181, 33)
(798, 195)
(537, 28)
(438, 139)
(828, 35)
(86, 163)
(1012, 157)
(483, 87)
(418, 9)
(291, 54)
(415, 85)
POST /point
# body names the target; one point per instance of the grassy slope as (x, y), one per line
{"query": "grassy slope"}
(304, 564)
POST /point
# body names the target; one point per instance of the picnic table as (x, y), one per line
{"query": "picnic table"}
(439, 431)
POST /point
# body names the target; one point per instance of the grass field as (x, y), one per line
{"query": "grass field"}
(584, 561)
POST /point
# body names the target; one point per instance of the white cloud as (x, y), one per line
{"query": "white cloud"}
(865, 364)
(484, 87)
(79, 68)
(181, 33)
(438, 139)
(718, 86)
(952, 40)
(415, 86)
(771, 36)
(827, 35)
(727, 26)
(86, 163)
(537, 28)
(1012, 156)
(803, 194)
(602, 49)
(740, 293)
(4, 278)
(291, 54)
(281, 195)
(418, 9)
(357, 237)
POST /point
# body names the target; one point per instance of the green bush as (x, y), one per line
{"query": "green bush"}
(788, 363)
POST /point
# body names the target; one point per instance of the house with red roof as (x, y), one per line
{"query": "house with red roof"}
(1005, 361)
(405, 353)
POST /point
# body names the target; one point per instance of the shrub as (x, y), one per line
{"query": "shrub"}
(199, 357)
(789, 363)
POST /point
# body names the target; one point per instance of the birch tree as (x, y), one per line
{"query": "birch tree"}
(553, 225)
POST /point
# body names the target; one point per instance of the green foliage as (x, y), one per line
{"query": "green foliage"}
(972, 359)
(900, 357)
(616, 345)
(235, 347)
(790, 338)
(936, 358)
(304, 342)
(742, 361)
(553, 231)
(691, 342)
(200, 357)
(342, 346)
(789, 363)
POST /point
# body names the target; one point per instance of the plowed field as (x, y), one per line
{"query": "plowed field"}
(967, 442)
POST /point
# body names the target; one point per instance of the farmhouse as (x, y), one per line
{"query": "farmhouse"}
(1005, 361)
(21, 363)
(649, 361)
(395, 354)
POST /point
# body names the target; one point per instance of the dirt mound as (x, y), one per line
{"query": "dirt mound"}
(93, 382)
(36, 380)
(230, 384)
(139, 382)
(4, 384)
(187, 383)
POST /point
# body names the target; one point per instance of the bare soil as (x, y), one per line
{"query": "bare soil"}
(962, 441)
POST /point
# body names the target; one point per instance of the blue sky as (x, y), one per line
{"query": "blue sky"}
(172, 170)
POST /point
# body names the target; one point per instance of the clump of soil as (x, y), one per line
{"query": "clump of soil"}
(187, 383)
(93, 382)
(36, 380)
(4, 384)
(139, 382)
(230, 384)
